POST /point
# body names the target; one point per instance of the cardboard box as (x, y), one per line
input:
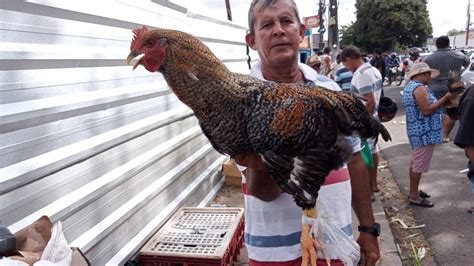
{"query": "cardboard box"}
(78, 258)
(232, 174)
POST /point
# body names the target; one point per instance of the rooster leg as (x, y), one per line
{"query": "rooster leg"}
(309, 243)
(302, 177)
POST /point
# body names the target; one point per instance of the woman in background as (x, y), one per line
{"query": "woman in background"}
(424, 126)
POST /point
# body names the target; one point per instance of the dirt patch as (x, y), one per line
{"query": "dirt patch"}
(396, 208)
(229, 196)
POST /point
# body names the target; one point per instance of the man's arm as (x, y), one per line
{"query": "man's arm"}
(327, 59)
(362, 206)
(466, 61)
(259, 183)
(370, 102)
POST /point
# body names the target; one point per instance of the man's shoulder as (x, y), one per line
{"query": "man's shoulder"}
(342, 70)
(366, 76)
(318, 80)
(366, 69)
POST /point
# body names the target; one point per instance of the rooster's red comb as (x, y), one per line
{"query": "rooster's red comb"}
(137, 35)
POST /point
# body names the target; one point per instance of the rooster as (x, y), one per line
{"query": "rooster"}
(456, 86)
(298, 130)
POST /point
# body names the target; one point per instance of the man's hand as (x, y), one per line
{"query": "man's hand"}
(369, 249)
(251, 160)
(259, 183)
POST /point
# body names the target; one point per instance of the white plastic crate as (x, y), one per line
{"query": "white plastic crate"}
(206, 236)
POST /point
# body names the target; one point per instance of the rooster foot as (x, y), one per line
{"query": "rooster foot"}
(309, 243)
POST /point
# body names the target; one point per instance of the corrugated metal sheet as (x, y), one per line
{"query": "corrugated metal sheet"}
(109, 151)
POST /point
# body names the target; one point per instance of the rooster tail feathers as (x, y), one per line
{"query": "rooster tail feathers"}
(383, 131)
(373, 129)
(353, 116)
(302, 176)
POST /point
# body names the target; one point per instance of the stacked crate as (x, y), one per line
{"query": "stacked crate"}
(197, 236)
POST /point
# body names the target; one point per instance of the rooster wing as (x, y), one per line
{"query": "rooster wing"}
(299, 131)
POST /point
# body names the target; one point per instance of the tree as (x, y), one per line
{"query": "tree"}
(454, 32)
(347, 35)
(391, 24)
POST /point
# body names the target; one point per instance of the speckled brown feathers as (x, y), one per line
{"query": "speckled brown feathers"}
(298, 130)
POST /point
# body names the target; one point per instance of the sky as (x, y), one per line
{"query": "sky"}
(444, 15)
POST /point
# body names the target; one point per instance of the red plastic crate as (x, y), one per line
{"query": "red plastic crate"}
(197, 236)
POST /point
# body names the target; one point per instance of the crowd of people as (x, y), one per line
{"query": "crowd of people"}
(272, 220)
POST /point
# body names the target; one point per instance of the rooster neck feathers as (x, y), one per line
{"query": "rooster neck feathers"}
(190, 68)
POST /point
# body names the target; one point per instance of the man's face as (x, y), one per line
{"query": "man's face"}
(349, 63)
(277, 34)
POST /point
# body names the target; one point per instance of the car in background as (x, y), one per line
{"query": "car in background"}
(468, 75)
(423, 56)
(469, 53)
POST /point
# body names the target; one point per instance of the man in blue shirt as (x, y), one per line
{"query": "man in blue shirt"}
(343, 79)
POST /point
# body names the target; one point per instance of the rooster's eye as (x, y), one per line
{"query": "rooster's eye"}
(150, 43)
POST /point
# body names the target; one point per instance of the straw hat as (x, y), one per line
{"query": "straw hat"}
(313, 60)
(420, 68)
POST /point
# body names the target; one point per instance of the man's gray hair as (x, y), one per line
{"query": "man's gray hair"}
(264, 4)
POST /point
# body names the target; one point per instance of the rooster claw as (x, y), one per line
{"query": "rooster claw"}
(308, 246)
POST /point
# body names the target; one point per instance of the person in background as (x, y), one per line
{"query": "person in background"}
(326, 66)
(336, 66)
(424, 126)
(378, 61)
(413, 58)
(272, 219)
(343, 78)
(314, 61)
(367, 83)
(393, 61)
(465, 136)
(444, 60)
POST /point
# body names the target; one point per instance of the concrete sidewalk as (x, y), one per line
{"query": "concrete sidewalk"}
(388, 250)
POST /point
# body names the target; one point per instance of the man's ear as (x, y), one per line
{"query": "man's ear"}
(250, 40)
(302, 30)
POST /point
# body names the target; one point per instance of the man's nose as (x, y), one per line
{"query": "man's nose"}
(278, 29)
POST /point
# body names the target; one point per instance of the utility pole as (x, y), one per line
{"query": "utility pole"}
(229, 12)
(322, 28)
(333, 34)
(468, 21)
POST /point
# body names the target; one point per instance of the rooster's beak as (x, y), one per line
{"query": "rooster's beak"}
(132, 56)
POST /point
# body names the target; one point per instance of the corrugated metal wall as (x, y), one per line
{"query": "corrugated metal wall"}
(109, 151)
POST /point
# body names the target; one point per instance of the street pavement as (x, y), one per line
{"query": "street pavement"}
(449, 227)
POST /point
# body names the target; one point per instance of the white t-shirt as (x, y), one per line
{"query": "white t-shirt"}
(273, 229)
(367, 79)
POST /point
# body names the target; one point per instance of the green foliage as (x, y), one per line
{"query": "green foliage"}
(390, 24)
(347, 35)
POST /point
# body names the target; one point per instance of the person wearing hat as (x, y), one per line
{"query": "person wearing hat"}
(424, 121)
(314, 61)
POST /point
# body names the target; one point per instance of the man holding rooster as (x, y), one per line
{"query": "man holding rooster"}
(273, 221)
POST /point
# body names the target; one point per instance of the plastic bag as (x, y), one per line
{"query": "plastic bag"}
(57, 251)
(366, 154)
(334, 242)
